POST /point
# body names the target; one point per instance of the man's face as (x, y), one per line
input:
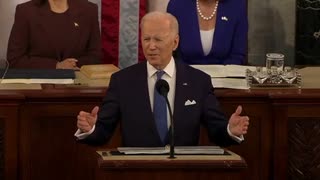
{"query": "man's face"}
(158, 42)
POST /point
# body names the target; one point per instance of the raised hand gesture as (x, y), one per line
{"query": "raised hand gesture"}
(238, 125)
(86, 120)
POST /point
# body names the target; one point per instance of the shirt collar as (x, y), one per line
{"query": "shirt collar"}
(169, 69)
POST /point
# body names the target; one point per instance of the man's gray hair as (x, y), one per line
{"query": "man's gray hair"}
(158, 14)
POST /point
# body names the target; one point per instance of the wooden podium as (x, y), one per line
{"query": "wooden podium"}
(160, 167)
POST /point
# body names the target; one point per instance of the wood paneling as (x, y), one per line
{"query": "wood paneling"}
(9, 114)
(303, 148)
(37, 129)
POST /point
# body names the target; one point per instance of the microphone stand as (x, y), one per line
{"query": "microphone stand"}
(171, 130)
(162, 87)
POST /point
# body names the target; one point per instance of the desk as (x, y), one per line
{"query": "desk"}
(183, 167)
(37, 127)
(36, 133)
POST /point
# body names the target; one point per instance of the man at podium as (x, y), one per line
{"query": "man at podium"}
(133, 100)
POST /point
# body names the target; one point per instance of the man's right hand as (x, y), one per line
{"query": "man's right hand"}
(86, 120)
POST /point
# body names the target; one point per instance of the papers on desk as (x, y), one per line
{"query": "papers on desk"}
(20, 86)
(99, 71)
(178, 150)
(219, 71)
(226, 76)
(232, 83)
(37, 81)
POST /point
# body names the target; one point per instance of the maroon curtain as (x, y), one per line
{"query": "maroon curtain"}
(110, 31)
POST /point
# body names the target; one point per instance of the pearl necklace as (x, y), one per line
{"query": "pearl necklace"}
(211, 16)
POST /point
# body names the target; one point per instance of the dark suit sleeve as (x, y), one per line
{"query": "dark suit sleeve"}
(171, 7)
(214, 119)
(19, 44)
(239, 42)
(92, 55)
(108, 117)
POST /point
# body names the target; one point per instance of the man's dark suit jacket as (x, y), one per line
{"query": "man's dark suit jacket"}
(31, 43)
(127, 100)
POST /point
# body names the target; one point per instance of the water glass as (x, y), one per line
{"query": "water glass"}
(275, 60)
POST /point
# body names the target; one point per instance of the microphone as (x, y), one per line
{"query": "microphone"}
(4, 66)
(163, 88)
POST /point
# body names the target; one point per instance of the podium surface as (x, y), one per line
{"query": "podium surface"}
(184, 167)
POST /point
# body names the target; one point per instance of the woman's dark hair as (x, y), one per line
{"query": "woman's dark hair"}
(40, 2)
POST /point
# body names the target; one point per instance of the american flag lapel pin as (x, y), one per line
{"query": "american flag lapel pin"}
(224, 18)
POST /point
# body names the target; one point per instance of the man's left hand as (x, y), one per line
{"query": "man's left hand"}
(238, 125)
